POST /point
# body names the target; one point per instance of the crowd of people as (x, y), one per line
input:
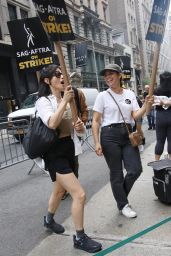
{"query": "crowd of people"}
(114, 113)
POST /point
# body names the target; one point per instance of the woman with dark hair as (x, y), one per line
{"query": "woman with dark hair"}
(163, 115)
(54, 110)
(114, 141)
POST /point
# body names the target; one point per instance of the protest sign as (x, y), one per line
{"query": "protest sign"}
(55, 19)
(31, 44)
(158, 19)
(125, 63)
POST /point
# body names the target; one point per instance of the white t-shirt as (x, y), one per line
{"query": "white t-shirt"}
(105, 105)
(46, 108)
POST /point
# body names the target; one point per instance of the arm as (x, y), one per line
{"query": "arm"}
(140, 112)
(56, 117)
(96, 128)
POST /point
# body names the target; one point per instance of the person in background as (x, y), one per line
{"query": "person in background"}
(55, 112)
(151, 114)
(113, 141)
(163, 115)
(82, 111)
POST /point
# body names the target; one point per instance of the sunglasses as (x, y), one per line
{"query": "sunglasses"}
(58, 74)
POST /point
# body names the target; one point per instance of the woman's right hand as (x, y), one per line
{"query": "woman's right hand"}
(98, 149)
(68, 94)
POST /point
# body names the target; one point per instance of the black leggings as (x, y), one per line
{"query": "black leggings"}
(163, 131)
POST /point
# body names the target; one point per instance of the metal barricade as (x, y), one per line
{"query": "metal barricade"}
(11, 136)
(88, 138)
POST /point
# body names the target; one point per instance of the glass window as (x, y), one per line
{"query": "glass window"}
(85, 30)
(29, 102)
(12, 12)
(104, 12)
(88, 3)
(24, 14)
(76, 21)
(69, 51)
(95, 5)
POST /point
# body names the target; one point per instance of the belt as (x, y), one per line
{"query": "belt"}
(117, 125)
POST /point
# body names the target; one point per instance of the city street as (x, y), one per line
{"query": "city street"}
(24, 199)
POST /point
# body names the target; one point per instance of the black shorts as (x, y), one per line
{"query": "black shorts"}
(60, 158)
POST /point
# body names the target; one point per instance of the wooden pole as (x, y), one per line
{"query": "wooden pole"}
(59, 52)
(154, 73)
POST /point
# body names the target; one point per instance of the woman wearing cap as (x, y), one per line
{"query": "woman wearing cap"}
(114, 142)
(55, 112)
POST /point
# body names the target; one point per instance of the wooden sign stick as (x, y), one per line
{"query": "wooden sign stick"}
(58, 49)
(154, 72)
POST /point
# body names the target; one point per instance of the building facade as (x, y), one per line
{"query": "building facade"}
(90, 21)
(13, 85)
(124, 24)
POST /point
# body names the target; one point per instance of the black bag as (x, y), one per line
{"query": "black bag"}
(162, 180)
(39, 139)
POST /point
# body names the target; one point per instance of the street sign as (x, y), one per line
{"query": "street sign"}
(31, 44)
(55, 19)
(157, 24)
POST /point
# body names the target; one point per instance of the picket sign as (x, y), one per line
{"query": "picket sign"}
(155, 33)
(58, 50)
(55, 20)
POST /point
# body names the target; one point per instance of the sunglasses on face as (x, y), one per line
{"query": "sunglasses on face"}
(58, 74)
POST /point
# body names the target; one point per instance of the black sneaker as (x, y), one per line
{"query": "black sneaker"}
(53, 226)
(87, 244)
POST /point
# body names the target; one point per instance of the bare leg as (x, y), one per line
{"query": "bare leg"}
(72, 185)
(157, 157)
(55, 197)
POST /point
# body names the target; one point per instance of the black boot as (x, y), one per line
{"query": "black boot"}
(53, 226)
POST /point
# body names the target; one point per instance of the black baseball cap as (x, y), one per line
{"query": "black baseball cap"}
(112, 67)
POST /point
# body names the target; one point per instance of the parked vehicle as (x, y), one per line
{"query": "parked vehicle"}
(19, 120)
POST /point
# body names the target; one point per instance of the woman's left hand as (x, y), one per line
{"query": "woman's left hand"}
(149, 99)
(79, 125)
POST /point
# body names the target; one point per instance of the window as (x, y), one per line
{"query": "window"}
(85, 30)
(76, 21)
(93, 33)
(24, 14)
(95, 6)
(0, 34)
(69, 51)
(81, 1)
(12, 12)
(107, 38)
(88, 3)
(104, 12)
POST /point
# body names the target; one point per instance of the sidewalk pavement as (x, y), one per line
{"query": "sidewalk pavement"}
(104, 223)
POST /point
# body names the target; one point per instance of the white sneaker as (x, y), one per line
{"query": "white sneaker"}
(128, 212)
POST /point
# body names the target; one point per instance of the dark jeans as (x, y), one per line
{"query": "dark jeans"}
(151, 119)
(117, 151)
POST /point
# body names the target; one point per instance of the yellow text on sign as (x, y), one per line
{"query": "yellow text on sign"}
(57, 28)
(35, 63)
(156, 28)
